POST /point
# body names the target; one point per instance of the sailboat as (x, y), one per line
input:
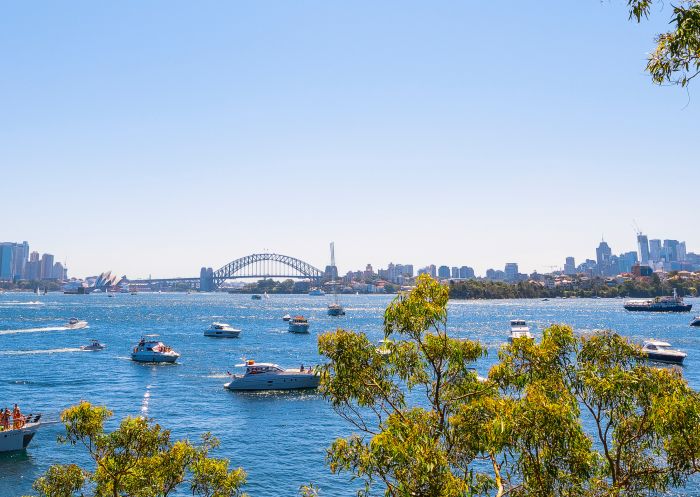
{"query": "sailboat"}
(335, 309)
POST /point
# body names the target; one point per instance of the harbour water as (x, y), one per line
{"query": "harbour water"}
(278, 438)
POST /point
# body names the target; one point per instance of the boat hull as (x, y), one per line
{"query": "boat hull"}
(260, 382)
(644, 308)
(14, 440)
(77, 326)
(152, 357)
(298, 328)
(336, 311)
(669, 359)
(222, 333)
(695, 322)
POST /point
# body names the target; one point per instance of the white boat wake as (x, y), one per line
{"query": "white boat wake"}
(34, 330)
(46, 351)
(16, 302)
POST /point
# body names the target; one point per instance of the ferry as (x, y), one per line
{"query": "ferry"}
(299, 324)
(268, 376)
(659, 304)
(16, 439)
(519, 329)
(151, 350)
(657, 350)
(222, 330)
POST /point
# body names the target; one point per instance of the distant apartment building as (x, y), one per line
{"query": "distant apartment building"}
(670, 250)
(6, 253)
(455, 272)
(643, 245)
(495, 275)
(46, 271)
(13, 260)
(33, 267)
(443, 272)
(465, 272)
(511, 271)
(626, 261)
(570, 266)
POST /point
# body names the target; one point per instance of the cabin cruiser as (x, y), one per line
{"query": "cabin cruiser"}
(299, 324)
(93, 347)
(151, 350)
(519, 329)
(268, 376)
(695, 322)
(222, 330)
(657, 350)
(76, 324)
(659, 304)
(286, 317)
(18, 438)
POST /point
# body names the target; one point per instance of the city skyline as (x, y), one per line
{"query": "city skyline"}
(284, 126)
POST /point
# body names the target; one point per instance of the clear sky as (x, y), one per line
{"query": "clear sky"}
(156, 137)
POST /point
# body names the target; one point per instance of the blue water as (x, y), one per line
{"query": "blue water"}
(279, 438)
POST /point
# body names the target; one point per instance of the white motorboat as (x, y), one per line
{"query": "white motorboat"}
(316, 292)
(151, 350)
(76, 324)
(93, 347)
(18, 438)
(519, 329)
(299, 324)
(384, 347)
(656, 350)
(268, 376)
(286, 317)
(222, 330)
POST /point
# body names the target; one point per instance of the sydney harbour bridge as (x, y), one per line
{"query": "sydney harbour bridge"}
(258, 266)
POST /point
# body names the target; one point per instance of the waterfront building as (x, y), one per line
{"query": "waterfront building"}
(59, 272)
(511, 271)
(681, 252)
(570, 266)
(443, 272)
(465, 272)
(455, 272)
(33, 267)
(6, 253)
(495, 275)
(643, 244)
(369, 272)
(46, 267)
(654, 250)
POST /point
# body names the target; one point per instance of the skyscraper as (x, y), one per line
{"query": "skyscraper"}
(6, 255)
(655, 250)
(511, 271)
(603, 255)
(643, 244)
(570, 266)
(670, 250)
(455, 272)
(46, 271)
(443, 272)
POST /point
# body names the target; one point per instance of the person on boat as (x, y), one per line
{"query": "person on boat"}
(301, 368)
(17, 418)
(5, 419)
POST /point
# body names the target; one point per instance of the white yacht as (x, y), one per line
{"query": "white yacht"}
(299, 324)
(93, 347)
(151, 350)
(268, 376)
(384, 347)
(222, 330)
(656, 350)
(19, 438)
(76, 324)
(286, 317)
(519, 329)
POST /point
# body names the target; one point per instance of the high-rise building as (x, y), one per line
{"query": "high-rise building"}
(465, 272)
(33, 268)
(46, 271)
(670, 250)
(455, 272)
(443, 272)
(570, 266)
(682, 253)
(6, 256)
(59, 272)
(603, 255)
(511, 271)
(643, 244)
(655, 250)
(626, 261)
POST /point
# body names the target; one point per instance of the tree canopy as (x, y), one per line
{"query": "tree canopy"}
(138, 459)
(427, 425)
(676, 58)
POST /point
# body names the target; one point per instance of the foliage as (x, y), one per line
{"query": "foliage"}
(138, 459)
(676, 58)
(426, 425)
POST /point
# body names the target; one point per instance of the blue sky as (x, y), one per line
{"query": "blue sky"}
(157, 137)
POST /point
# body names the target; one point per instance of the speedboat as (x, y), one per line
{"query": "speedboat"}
(93, 347)
(18, 438)
(151, 350)
(519, 329)
(222, 330)
(336, 310)
(268, 376)
(657, 350)
(695, 322)
(256, 297)
(299, 324)
(286, 317)
(76, 324)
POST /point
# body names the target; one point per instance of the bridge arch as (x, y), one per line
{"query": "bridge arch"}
(266, 266)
